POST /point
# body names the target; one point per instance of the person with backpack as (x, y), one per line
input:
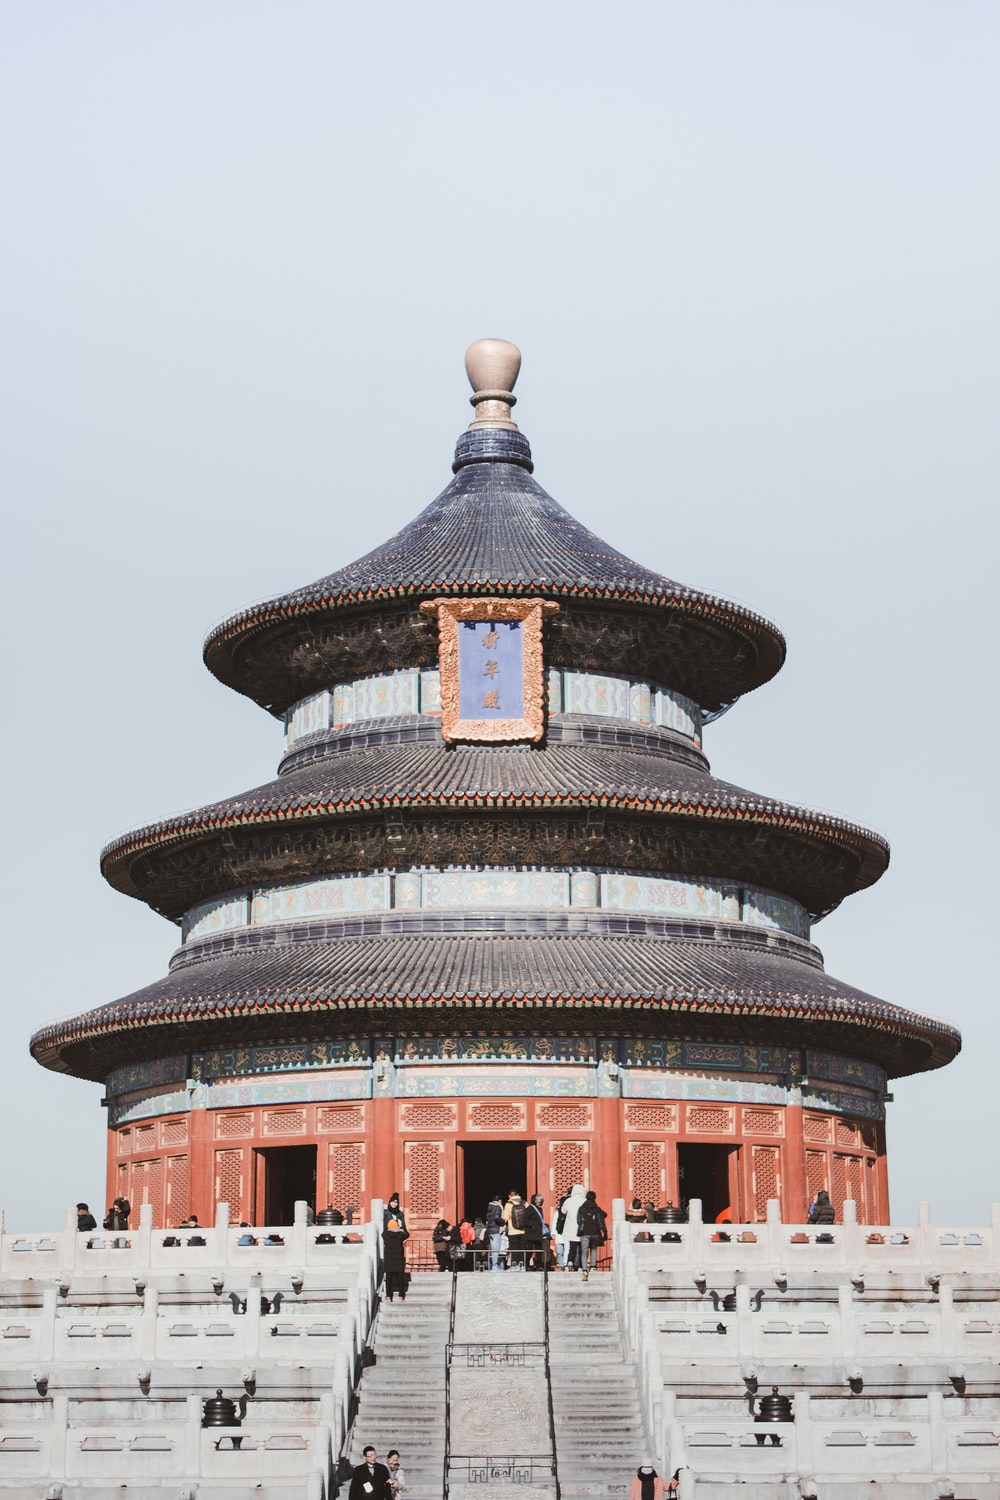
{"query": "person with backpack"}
(568, 1237)
(514, 1222)
(534, 1234)
(558, 1225)
(495, 1228)
(591, 1224)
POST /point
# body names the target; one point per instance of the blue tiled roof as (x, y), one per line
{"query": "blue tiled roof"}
(659, 981)
(493, 529)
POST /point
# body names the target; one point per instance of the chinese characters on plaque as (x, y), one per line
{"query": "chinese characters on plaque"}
(491, 667)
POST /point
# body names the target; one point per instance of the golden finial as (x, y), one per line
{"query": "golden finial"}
(492, 366)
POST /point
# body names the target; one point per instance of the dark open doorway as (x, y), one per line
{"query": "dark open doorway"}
(284, 1175)
(709, 1173)
(488, 1167)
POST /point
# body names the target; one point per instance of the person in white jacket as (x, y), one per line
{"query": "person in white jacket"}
(568, 1237)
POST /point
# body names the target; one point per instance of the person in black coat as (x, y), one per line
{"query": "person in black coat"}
(85, 1220)
(370, 1480)
(534, 1234)
(822, 1210)
(117, 1215)
(392, 1210)
(590, 1226)
(394, 1259)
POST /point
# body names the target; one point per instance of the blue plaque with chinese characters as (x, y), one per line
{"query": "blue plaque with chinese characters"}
(492, 677)
(491, 669)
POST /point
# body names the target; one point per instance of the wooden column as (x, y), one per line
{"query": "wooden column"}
(794, 1194)
(202, 1167)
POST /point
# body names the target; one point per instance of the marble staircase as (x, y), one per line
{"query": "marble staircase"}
(401, 1399)
(600, 1432)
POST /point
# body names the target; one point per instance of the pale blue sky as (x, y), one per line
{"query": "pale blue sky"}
(749, 252)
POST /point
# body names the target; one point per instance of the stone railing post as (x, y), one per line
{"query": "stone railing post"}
(50, 1299)
(939, 1435)
(847, 1309)
(803, 1432)
(775, 1233)
(59, 1434)
(147, 1326)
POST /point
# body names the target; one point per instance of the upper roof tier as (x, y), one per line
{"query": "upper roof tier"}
(493, 530)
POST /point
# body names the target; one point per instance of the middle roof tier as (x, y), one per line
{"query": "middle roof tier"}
(562, 805)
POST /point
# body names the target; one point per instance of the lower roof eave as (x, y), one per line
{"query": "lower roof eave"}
(92, 1045)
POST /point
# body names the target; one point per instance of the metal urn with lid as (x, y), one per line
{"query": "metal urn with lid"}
(771, 1409)
(220, 1411)
(671, 1215)
(327, 1215)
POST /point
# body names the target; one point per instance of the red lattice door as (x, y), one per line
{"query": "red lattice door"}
(423, 1179)
(647, 1174)
(766, 1178)
(345, 1177)
(230, 1180)
(569, 1163)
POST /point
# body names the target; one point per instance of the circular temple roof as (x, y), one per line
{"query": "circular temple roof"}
(549, 981)
(494, 530)
(482, 779)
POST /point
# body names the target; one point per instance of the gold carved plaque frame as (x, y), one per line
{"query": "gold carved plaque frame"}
(450, 614)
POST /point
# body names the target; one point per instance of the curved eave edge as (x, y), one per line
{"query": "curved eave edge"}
(942, 1042)
(870, 849)
(767, 640)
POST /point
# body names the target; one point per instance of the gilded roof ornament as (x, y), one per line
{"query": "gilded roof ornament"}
(492, 366)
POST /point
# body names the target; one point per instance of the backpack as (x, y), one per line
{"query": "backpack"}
(561, 1220)
(467, 1232)
(519, 1216)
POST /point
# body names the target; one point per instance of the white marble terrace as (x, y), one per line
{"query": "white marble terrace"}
(886, 1339)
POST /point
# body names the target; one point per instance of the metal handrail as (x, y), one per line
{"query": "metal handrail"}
(482, 1354)
(548, 1379)
(447, 1386)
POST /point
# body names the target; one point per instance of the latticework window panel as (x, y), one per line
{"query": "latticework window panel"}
(497, 1116)
(229, 1182)
(646, 1179)
(847, 1132)
(340, 1117)
(423, 1176)
(763, 1122)
(568, 1165)
(173, 1132)
(839, 1190)
(145, 1138)
(178, 1177)
(661, 1117)
(233, 1125)
(147, 1186)
(563, 1116)
(284, 1121)
(816, 1172)
(429, 1115)
(346, 1175)
(705, 1118)
(124, 1141)
(766, 1181)
(816, 1127)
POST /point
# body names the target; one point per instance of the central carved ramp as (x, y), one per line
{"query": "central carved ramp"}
(500, 1432)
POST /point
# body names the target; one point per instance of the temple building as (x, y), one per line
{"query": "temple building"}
(494, 923)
